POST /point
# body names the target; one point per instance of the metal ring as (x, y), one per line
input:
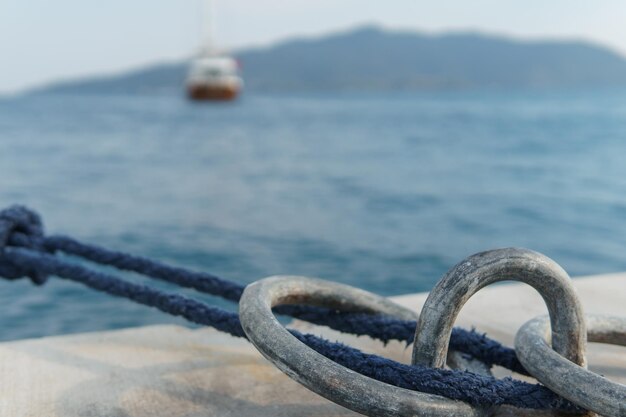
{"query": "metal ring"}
(577, 384)
(445, 301)
(318, 373)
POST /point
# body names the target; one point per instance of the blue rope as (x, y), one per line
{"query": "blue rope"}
(382, 328)
(26, 252)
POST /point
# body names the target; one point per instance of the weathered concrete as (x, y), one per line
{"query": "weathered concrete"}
(177, 372)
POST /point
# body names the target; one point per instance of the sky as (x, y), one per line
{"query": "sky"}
(43, 41)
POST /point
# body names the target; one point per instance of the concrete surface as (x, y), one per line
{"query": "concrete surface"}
(178, 372)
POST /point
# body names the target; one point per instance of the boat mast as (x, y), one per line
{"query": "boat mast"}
(208, 27)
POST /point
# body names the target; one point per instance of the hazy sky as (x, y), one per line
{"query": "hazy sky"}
(45, 40)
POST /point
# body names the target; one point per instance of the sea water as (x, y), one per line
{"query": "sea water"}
(381, 191)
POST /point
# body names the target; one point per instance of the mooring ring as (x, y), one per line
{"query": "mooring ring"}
(579, 385)
(445, 301)
(318, 373)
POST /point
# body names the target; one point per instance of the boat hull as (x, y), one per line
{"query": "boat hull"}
(204, 92)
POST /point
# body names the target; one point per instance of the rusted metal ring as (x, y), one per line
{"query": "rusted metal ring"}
(318, 373)
(445, 301)
(577, 384)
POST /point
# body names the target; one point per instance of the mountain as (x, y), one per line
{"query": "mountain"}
(373, 59)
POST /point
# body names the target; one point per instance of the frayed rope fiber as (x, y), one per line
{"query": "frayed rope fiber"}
(26, 252)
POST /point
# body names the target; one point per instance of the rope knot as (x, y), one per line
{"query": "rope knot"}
(20, 227)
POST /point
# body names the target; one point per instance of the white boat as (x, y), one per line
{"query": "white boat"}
(213, 75)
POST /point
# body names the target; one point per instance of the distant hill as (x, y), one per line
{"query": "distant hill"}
(373, 59)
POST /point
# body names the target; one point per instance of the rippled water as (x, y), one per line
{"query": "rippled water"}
(385, 192)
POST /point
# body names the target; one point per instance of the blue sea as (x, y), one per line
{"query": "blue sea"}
(380, 191)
